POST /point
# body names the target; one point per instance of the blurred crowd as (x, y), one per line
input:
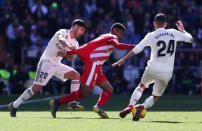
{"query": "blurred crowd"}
(28, 25)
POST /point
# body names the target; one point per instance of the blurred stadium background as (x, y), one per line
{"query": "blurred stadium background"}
(26, 27)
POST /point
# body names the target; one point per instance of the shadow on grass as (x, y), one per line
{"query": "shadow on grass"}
(171, 122)
(116, 103)
(91, 118)
(72, 118)
(86, 118)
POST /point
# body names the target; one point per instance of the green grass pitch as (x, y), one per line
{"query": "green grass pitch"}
(175, 113)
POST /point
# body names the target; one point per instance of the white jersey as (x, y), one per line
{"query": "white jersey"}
(54, 46)
(163, 46)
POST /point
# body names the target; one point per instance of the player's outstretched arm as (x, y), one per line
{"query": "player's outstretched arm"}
(186, 36)
(123, 60)
(180, 26)
(121, 46)
(145, 42)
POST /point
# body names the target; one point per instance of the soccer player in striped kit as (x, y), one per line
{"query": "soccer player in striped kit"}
(94, 54)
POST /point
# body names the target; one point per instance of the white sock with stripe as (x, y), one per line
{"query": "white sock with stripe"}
(137, 93)
(75, 84)
(28, 93)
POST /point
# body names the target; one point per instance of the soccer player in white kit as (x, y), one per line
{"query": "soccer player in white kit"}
(50, 64)
(159, 68)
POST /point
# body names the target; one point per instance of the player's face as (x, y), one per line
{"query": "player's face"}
(119, 34)
(79, 30)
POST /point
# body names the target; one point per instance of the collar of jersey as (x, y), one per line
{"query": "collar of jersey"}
(161, 28)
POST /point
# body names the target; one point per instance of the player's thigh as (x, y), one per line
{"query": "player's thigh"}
(45, 70)
(147, 78)
(159, 87)
(106, 86)
(90, 74)
(65, 72)
(102, 81)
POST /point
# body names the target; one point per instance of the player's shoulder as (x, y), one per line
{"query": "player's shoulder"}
(149, 34)
(62, 31)
(173, 30)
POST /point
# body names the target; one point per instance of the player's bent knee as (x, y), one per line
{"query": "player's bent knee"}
(36, 88)
(142, 86)
(76, 76)
(73, 75)
(111, 90)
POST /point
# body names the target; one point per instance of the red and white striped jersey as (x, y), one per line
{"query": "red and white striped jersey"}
(100, 48)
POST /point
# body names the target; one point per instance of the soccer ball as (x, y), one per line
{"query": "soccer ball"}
(142, 114)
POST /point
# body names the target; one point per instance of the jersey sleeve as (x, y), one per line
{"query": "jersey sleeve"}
(143, 43)
(120, 46)
(62, 36)
(187, 37)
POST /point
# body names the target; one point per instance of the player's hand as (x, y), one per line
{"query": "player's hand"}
(72, 47)
(119, 63)
(70, 57)
(180, 26)
(61, 54)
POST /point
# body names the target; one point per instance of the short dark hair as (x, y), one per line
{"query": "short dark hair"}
(79, 22)
(118, 26)
(160, 19)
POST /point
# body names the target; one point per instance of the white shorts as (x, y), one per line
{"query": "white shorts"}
(45, 70)
(160, 81)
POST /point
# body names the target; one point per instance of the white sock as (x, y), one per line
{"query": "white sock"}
(75, 84)
(149, 102)
(28, 93)
(137, 93)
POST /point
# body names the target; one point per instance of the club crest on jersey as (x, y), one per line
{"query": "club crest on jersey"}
(108, 51)
(58, 46)
(95, 76)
